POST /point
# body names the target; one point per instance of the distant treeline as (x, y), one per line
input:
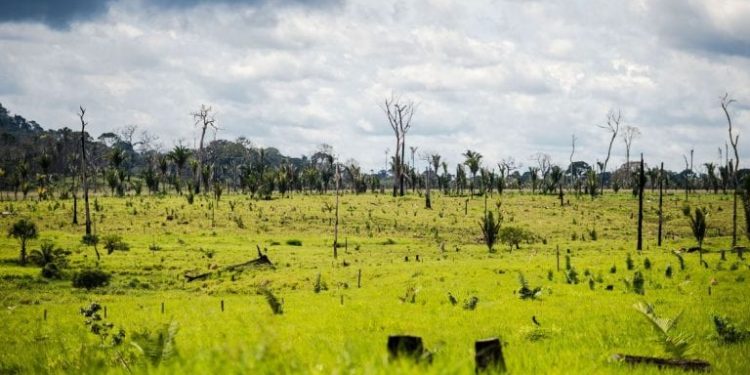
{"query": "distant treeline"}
(47, 161)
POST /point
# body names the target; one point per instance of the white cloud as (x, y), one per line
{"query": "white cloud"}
(507, 78)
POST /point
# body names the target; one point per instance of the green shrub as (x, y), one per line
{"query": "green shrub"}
(294, 242)
(638, 283)
(91, 278)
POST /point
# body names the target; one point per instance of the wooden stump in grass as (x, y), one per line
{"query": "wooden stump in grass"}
(489, 355)
(404, 346)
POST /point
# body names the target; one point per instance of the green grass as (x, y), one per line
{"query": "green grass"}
(580, 327)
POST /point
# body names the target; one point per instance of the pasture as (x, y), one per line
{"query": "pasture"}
(338, 313)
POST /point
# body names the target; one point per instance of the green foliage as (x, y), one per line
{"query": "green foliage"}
(629, 262)
(514, 236)
(676, 345)
(158, 346)
(728, 332)
(108, 336)
(698, 223)
(294, 242)
(113, 242)
(647, 264)
(524, 292)
(91, 278)
(639, 283)
(668, 271)
(23, 230)
(471, 303)
(490, 229)
(320, 284)
(571, 276)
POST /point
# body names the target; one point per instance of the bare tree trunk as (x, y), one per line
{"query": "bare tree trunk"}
(84, 180)
(641, 178)
(427, 202)
(336, 221)
(725, 102)
(396, 167)
(661, 193)
(403, 155)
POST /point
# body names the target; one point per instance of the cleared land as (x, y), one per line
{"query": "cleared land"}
(342, 328)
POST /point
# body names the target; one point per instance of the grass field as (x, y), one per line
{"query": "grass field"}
(343, 328)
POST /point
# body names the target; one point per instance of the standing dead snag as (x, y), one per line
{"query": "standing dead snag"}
(203, 119)
(84, 180)
(613, 126)
(628, 134)
(337, 177)
(641, 184)
(733, 139)
(399, 117)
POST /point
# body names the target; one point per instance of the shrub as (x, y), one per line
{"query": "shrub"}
(727, 331)
(571, 276)
(51, 271)
(114, 242)
(91, 278)
(490, 229)
(513, 236)
(320, 285)
(638, 283)
(629, 262)
(647, 264)
(668, 271)
(294, 242)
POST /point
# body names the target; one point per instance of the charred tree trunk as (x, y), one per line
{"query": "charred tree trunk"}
(661, 193)
(641, 178)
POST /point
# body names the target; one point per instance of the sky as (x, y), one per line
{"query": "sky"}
(506, 78)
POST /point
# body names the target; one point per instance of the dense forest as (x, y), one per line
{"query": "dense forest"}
(125, 161)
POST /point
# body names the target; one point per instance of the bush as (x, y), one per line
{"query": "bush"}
(294, 242)
(51, 271)
(113, 242)
(513, 236)
(638, 283)
(92, 278)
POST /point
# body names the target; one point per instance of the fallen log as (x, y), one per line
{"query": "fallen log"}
(261, 261)
(684, 364)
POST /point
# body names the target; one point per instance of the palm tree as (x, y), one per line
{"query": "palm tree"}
(179, 156)
(163, 168)
(556, 175)
(713, 182)
(473, 160)
(490, 230)
(697, 225)
(23, 230)
(534, 174)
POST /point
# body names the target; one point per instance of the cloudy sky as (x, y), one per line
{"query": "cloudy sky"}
(503, 77)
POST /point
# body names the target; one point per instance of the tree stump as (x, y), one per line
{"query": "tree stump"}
(489, 355)
(404, 346)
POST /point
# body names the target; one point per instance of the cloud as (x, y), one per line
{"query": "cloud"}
(505, 78)
(61, 14)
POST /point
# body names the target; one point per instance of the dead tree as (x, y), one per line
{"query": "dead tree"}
(613, 126)
(399, 118)
(628, 134)
(733, 139)
(641, 185)
(203, 119)
(84, 179)
(337, 177)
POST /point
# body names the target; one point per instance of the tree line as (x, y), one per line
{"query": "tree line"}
(126, 161)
